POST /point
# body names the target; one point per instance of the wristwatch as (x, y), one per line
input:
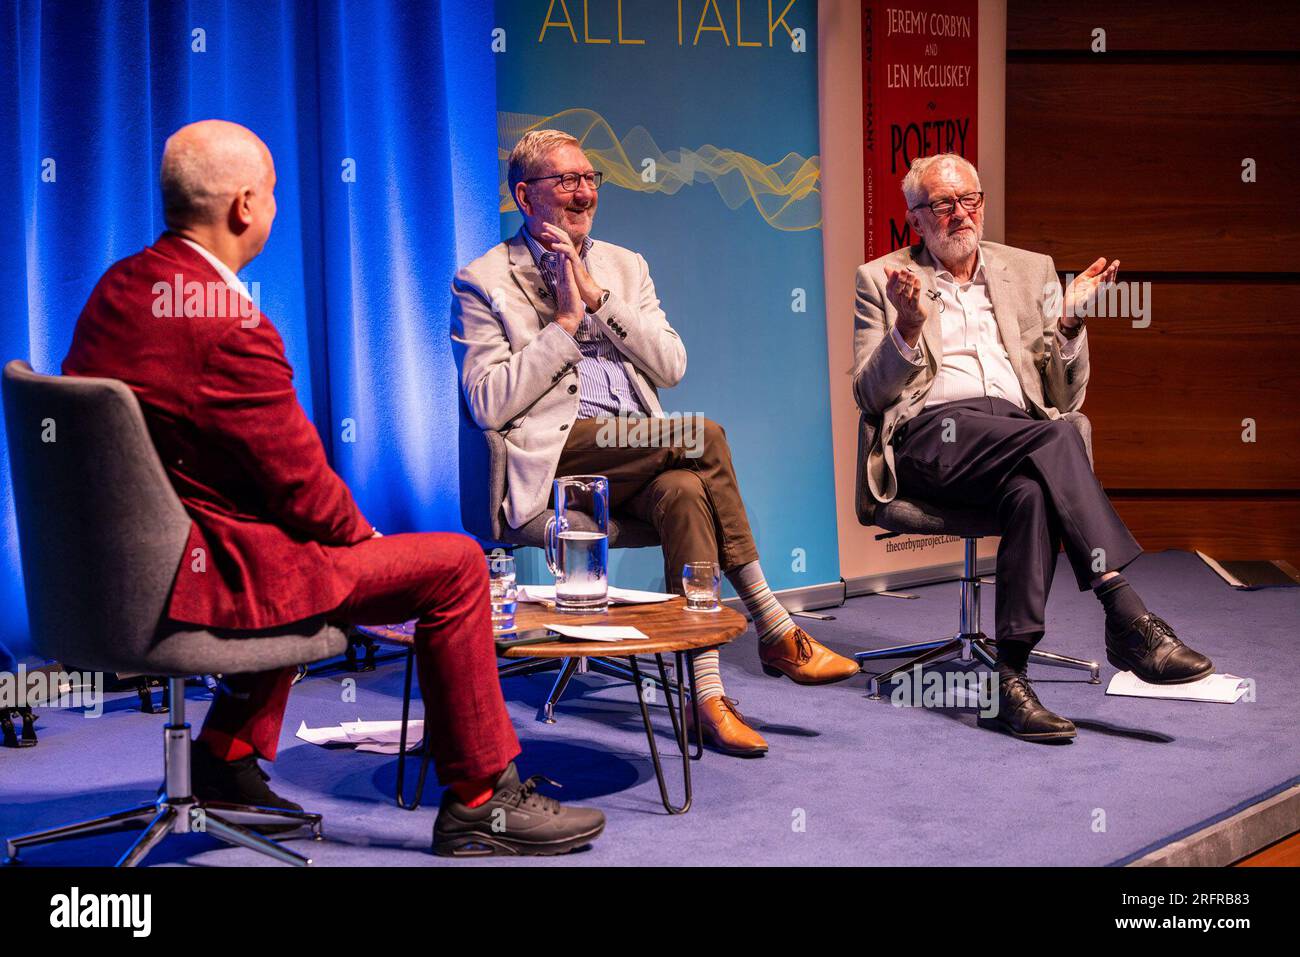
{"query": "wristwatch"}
(604, 298)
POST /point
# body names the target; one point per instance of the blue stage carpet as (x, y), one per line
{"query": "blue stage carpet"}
(848, 780)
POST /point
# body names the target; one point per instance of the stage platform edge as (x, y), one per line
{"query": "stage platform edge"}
(1235, 837)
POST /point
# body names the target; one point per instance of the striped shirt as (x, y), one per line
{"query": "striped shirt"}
(603, 384)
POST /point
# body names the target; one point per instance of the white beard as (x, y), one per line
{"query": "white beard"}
(949, 248)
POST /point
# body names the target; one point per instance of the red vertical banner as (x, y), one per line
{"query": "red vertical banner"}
(920, 97)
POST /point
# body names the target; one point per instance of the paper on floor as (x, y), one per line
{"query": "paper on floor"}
(374, 732)
(321, 736)
(380, 737)
(393, 747)
(1223, 689)
(598, 632)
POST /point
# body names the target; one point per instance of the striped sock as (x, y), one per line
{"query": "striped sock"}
(771, 621)
(708, 676)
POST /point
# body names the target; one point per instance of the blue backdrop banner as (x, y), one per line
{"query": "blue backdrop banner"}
(380, 116)
(703, 117)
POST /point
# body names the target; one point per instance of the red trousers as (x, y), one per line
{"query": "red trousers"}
(439, 579)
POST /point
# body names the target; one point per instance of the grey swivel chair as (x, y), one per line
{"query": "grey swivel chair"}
(101, 534)
(482, 490)
(905, 516)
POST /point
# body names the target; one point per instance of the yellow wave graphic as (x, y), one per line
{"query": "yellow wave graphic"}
(787, 194)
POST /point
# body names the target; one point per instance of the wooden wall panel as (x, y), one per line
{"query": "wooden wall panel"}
(1226, 528)
(1167, 401)
(1143, 162)
(1198, 25)
(1136, 154)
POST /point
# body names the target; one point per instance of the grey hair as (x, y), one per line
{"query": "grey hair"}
(201, 175)
(531, 149)
(913, 189)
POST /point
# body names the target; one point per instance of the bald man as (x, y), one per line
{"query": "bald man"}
(276, 536)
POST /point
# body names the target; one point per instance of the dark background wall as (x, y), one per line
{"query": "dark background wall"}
(1136, 153)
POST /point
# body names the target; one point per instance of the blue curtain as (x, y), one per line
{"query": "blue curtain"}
(381, 117)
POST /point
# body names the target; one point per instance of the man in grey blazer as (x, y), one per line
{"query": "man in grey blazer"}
(558, 337)
(967, 353)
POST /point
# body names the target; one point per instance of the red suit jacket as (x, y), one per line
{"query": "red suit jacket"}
(217, 393)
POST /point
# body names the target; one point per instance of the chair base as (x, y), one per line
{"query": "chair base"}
(361, 656)
(963, 648)
(11, 738)
(144, 686)
(229, 822)
(179, 815)
(969, 644)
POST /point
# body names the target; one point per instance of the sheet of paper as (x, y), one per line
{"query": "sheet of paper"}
(598, 632)
(632, 596)
(380, 732)
(383, 737)
(617, 596)
(322, 736)
(1222, 689)
(390, 748)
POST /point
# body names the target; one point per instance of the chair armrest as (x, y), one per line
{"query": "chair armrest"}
(863, 500)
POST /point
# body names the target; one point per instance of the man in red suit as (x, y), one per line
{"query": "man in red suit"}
(276, 535)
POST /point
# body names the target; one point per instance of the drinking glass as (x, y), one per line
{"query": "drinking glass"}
(505, 592)
(701, 582)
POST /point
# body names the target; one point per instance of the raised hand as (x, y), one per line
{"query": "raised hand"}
(904, 290)
(1082, 292)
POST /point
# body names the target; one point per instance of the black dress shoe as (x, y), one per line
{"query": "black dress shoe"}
(1020, 713)
(515, 821)
(1150, 649)
(237, 782)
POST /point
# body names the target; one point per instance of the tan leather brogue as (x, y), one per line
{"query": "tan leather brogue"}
(725, 728)
(805, 661)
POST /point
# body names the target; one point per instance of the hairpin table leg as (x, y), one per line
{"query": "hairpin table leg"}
(679, 727)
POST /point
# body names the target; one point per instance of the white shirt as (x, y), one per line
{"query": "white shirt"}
(222, 269)
(975, 361)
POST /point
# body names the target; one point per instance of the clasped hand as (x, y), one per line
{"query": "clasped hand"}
(575, 289)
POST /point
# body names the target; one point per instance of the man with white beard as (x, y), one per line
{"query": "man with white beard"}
(966, 361)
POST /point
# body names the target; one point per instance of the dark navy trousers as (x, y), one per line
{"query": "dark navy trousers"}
(988, 453)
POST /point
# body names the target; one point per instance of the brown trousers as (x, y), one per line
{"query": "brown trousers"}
(693, 502)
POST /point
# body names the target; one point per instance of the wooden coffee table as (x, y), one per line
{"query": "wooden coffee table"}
(669, 629)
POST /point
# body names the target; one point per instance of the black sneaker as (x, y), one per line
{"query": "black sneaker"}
(1150, 649)
(237, 782)
(1021, 714)
(515, 821)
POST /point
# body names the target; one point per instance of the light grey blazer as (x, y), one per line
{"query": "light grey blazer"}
(518, 369)
(1026, 297)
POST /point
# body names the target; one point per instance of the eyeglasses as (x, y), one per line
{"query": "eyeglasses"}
(569, 181)
(945, 207)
